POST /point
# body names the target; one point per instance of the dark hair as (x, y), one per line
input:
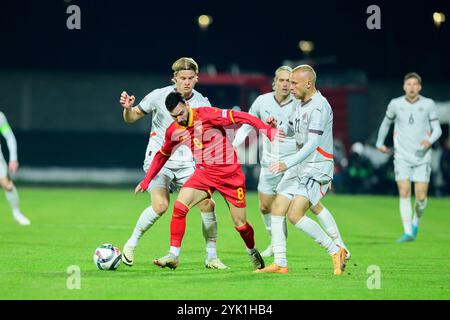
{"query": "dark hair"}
(412, 75)
(173, 99)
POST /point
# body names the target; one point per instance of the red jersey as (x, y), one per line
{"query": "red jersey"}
(206, 136)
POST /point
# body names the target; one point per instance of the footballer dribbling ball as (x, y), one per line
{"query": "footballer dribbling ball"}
(107, 257)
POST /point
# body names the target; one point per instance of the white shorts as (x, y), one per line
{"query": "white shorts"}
(268, 182)
(305, 186)
(416, 173)
(3, 168)
(170, 178)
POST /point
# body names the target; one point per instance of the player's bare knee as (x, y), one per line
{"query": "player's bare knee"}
(277, 208)
(207, 205)
(265, 208)
(317, 208)
(6, 184)
(420, 196)
(160, 206)
(405, 193)
(238, 221)
(295, 217)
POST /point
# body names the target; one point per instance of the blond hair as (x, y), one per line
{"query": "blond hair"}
(308, 69)
(277, 74)
(184, 64)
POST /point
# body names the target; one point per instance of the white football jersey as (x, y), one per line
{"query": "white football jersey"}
(412, 125)
(154, 103)
(263, 107)
(316, 116)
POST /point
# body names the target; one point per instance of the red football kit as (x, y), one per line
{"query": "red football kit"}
(217, 165)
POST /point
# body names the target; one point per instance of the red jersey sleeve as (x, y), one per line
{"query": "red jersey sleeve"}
(161, 157)
(240, 117)
(226, 117)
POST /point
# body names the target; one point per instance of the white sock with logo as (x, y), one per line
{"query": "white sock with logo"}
(329, 224)
(406, 214)
(147, 218)
(419, 208)
(312, 228)
(209, 228)
(13, 200)
(279, 240)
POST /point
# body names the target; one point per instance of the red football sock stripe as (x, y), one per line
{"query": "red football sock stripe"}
(178, 223)
(247, 234)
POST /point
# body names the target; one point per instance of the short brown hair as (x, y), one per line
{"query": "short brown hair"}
(412, 75)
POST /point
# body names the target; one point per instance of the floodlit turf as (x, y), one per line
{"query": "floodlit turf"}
(68, 224)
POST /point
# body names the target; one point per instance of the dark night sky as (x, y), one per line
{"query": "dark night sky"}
(148, 35)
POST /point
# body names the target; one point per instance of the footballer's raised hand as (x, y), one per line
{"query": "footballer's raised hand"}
(277, 167)
(138, 189)
(384, 149)
(126, 101)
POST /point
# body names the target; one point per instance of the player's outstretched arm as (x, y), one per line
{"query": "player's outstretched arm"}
(130, 114)
(171, 141)
(241, 134)
(299, 157)
(158, 162)
(382, 133)
(246, 118)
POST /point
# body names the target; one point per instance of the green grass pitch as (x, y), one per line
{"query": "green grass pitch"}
(68, 224)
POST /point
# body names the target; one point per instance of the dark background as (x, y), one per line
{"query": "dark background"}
(147, 36)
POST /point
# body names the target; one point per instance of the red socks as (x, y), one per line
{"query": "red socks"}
(247, 234)
(178, 223)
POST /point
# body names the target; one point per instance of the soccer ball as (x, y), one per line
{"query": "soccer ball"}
(107, 257)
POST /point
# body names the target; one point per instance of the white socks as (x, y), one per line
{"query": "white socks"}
(307, 225)
(175, 251)
(279, 240)
(148, 217)
(406, 214)
(13, 200)
(312, 228)
(267, 218)
(329, 224)
(419, 208)
(146, 220)
(209, 227)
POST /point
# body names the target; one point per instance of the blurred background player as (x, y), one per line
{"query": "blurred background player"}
(10, 190)
(278, 104)
(180, 166)
(312, 124)
(416, 129)
(217, 168)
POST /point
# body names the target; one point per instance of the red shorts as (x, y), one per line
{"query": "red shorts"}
(232, 187)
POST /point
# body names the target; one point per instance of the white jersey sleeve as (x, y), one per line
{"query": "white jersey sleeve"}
(390, 112)
(150, 102)
(7, 133)
(436, 130)
(245, 129)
